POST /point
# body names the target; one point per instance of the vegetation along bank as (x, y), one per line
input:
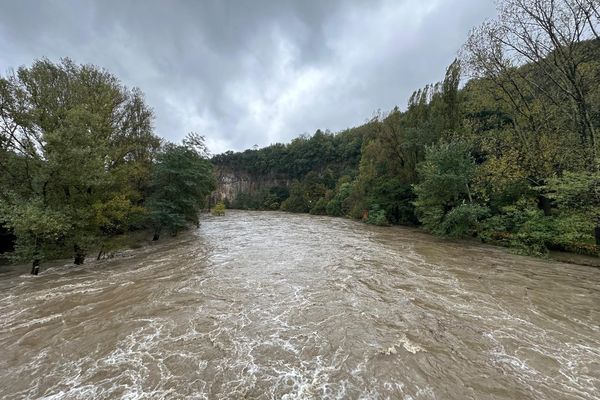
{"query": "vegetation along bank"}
(504, 148)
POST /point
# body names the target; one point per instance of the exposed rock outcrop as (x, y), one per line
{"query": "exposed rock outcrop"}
(231, 183)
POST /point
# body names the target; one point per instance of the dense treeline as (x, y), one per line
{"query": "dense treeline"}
(81, 165)
(510, 157)
(318, 160)
(340, 153)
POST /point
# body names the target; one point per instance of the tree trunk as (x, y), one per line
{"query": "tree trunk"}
(35, 267)
(545, 205)
(100, 253)
(469, 192)
(597, 231)
(79, 255)
(157, 231)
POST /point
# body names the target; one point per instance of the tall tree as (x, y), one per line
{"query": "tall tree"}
(181, 182)
(72, 139)
(547, 35)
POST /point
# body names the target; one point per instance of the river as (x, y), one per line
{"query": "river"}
(269, 305)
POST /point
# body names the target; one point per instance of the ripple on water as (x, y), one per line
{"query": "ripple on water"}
(283, 306)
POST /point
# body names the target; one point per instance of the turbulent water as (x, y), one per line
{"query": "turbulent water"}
(279, 306)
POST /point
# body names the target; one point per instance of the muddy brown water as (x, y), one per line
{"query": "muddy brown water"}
(279, 306)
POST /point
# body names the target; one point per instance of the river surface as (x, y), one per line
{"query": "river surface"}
(263, 305)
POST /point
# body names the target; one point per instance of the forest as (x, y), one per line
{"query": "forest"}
(503, 149)
(81, 166)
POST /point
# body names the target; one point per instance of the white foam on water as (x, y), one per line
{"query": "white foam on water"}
(402, 342)
(329, 309)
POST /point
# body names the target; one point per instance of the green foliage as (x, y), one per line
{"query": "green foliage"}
(445, 177)
(118, 215)
(264, 199)
(297, 201)
(76, 144)
(305, 194)
(338, 206)
(181, 181)
(377, 216)
(575, 190)
(573, 232)
(41, 232)
(247, 201)
(219, 209)
(272, 198)
(463, 220)
(525, 227)
(77, 155)
(396, 198)
(304, 154)
(570, 227)
(320, 207)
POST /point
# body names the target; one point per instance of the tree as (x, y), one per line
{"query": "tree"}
(543, 56)
(338, 205)
(40, 233)
(444, 200)
(72, 138)
(181, 181)
(547, 35)
(296, 202)
(196, 142)
(450, 97)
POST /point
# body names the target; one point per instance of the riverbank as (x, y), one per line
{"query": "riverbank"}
(561, 256)
(113, 248)
(139, 239)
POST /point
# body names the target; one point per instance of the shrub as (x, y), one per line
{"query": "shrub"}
(320, 207)
(463, 220)
(377, 216)
(219, 209)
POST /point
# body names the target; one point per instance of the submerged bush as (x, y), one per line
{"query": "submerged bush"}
(463, 220)
(219, 209)
(377, 216)
(525, 227)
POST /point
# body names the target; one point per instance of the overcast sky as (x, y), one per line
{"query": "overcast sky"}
(250, 72)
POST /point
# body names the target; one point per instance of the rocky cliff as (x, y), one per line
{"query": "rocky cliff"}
(231, 183)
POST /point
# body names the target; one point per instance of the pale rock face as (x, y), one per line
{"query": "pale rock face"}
(231, 183)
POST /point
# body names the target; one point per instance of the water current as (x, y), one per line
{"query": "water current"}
(260, 305)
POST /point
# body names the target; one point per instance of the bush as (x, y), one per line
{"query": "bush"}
(219, 209)
(463, 220)
(246, 201)
(525, 227)
(521, 225)
(320, 207)
(377, 216)
(445, 177)
(296, 202)
(338, 205)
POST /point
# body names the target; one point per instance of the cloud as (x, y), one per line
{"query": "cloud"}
(246, 73)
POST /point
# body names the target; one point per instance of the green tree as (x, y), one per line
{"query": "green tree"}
(338, 206)
(181, 181)
(296, 202)
(72, 138)
(377, 216)
(444, 201)
(41, 233)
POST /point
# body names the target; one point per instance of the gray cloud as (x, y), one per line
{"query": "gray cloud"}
(250, 72)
